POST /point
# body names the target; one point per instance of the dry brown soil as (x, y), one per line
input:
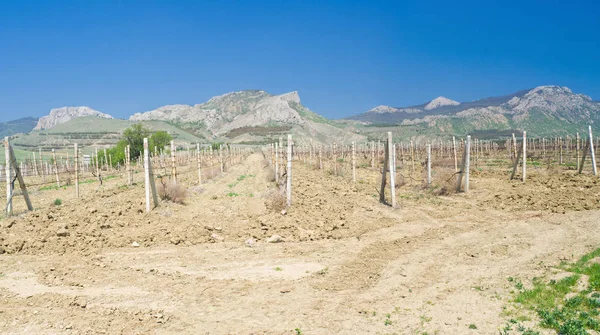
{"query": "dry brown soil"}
(346, 263)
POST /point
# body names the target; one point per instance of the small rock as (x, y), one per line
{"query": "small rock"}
(135, 244)
(283, 212)
(285, 290)
(93, 210)
(209, 228)
(274, 239)
(216, 237)
(62, 232)
(11, 223)
(251, 243)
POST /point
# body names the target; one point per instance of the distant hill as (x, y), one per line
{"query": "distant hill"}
(252, 117)
(65, 114)
(22, 125)
(542, 111)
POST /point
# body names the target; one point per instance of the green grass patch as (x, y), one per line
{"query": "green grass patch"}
(571, 305)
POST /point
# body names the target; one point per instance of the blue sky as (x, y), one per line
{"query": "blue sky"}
(344, 57)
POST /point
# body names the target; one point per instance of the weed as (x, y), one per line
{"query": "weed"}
(276, 201)
(57, 202)
(172, 192)
(562, 305)
(472, 326)
(298, 331)
(387, 321)
(278, 269)
(232, 194)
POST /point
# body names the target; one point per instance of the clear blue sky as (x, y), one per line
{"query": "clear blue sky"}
(344, 57)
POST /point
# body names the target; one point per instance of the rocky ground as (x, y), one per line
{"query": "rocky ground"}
(342, 263)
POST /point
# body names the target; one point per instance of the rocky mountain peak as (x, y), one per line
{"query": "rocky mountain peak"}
(439, 102)
(383, 109)
(64, 114)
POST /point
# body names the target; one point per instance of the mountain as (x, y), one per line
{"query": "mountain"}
(248, 117)
(22, 125)
(64, 114)
(440, 102)
(542, 111)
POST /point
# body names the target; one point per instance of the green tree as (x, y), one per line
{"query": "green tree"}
(134, 136)
(159, 139)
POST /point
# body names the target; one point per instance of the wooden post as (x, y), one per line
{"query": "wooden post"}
(577, 147)
(105, 159)
(412, 157)
(198, 163)
(592, 154)
(455, 156)
(76, 157)
(320, 157)
(372, 154)
(173, 168)
(8, 175)
(276, 163)
(37, 171)
(464, 170)
(147, 174)
(221, 158)
(392, 165)
(44, 172)
(524, 174)
(353, 162)
(20, 178)
(128, 165)
(384, 174)
(289, 171)
(428, 164)
(516, 163)
(514, 145)
(56, 168)
(467, 162)
(97, 164)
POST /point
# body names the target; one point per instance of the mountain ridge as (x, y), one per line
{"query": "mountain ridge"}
(545, 110)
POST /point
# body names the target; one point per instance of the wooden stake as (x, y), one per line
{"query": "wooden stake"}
(8, 175)
(353, 162)
(56, 168)
(289, 171)
(198, 163)
(577, 147)
(467, 162)
(76, 157)
(428, 164)
(392, 165)
(524, 173)
(173, 167)
(455, 156)
(277, 163)
(592, 151)
(147, 174)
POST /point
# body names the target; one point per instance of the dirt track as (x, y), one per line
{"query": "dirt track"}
(435, 265)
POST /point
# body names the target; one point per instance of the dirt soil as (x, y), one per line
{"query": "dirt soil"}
(343, 263)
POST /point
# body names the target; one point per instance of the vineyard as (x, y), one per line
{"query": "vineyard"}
(295, 237)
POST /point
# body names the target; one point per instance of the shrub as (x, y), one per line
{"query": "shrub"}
(276, 201)
(172, 192)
